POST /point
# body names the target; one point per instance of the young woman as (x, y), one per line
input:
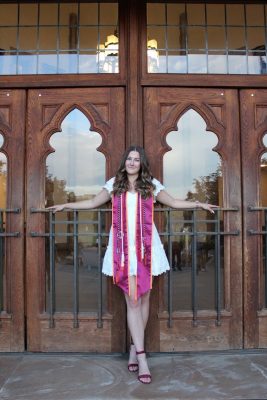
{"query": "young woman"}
(135, 253)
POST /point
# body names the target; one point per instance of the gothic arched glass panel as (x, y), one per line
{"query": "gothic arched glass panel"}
(263, 203)
(3, 205)
(192, 171)
(75, 171)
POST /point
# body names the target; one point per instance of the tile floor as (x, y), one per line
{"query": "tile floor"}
(205, 376)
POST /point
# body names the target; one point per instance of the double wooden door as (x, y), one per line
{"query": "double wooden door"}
(238, 119)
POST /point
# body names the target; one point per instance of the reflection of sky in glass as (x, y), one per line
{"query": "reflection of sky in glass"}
(265, 140)
(211, 63)
(191, 156)
(76, 159)
(2, 155)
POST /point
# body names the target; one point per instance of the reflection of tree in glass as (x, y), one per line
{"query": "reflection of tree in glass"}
(2, 167)
(55, 190)
(206, 188)
(264, 160)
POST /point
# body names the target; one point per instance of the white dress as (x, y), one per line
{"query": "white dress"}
(160, 262)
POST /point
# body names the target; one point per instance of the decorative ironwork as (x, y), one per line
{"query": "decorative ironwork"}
(194, 233)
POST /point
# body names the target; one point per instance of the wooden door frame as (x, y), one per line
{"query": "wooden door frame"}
(163, 108)
(253, 104)
(46, 110)
(12, 126)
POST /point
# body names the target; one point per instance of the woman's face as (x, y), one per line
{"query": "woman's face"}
(132, 163)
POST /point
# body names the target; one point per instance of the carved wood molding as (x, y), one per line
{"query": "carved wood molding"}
(53, 116)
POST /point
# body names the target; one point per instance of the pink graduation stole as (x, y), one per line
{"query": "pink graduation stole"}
(143, 243)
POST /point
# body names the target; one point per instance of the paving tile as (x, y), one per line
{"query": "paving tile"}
(8, 363)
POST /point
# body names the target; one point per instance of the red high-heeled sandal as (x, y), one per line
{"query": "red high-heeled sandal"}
(143, 376)
(133, 367)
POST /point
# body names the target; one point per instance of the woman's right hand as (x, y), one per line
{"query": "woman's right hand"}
(57, 207)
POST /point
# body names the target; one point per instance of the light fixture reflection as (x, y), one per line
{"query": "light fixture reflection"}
(108, 54)
(152, 55)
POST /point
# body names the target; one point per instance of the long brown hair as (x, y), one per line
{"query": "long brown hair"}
(143, 183)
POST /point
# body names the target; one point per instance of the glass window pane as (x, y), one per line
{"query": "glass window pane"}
(67, 63)
(88, 37)
(8, 63)
(8, 14)
(255, 14)
(196, 38)
(27, 38)
(8, 38)
(48, 38)
(27, 64)
(263, 203)
(177, 62)
(152, 56)
(197, 63)
(3, 176)
(237, 63)
(108, 14)
(68, 38)
(88, 62)
(158, 34)
(47, 63)
(106, 34)
(156, 14)
(215, 14)
(192, 171)
(235, 14)
(66, 12)
(108, 63)
(88, 14)
(157, 62)
(48, 14)
(176, 14)
(76, 171)
(3, 204)
(216, 38)
(257, 63)
(176, 38)
(236, 38)
(217, 63)
(28, 14)
(196, 14)
(256, 38)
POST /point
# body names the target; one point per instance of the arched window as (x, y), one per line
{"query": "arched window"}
(75, 171)
(192, 171)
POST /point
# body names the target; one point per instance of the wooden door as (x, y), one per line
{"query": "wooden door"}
(216, 325)
(253, 111)
(12, 124)
(52, 325)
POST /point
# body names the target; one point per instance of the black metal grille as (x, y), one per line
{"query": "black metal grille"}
(195, 233)
(3, 236)
(167, 233)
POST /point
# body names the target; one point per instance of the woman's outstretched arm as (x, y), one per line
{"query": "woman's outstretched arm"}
(166, 199)
(97, 201)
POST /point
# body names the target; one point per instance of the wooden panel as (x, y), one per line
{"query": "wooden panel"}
(253, 105)
(12, 126)
(47, 108)
(219, 108)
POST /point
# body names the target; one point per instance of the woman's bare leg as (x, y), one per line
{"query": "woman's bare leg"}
(137, 316)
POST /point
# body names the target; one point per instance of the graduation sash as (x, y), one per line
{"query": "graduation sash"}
(143, 243)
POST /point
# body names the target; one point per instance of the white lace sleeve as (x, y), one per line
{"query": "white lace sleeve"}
(159, 187)
(109, 185)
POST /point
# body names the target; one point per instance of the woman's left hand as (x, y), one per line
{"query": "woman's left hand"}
(206, 206)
